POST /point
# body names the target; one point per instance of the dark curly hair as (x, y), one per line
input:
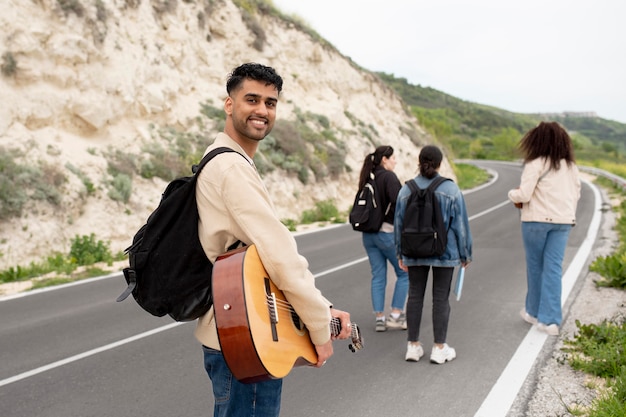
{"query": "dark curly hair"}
(253, 71)
(549, 140)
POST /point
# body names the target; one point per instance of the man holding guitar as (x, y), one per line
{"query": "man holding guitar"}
(234, 206)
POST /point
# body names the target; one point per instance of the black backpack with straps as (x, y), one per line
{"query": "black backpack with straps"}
(169, 272)
(367, 213)
(424, 234)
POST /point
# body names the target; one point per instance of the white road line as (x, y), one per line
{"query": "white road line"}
(489, 210)
(131, 339)
(503, 393)
(83, 355)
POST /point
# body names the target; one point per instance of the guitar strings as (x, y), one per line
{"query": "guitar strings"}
(283, 305)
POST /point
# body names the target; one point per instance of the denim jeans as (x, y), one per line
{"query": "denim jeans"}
(442, 280)
(380, 248)
(236, 399)
(544, 244)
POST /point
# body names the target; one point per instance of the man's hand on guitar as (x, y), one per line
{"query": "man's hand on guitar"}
(346, 326)
(324, 352)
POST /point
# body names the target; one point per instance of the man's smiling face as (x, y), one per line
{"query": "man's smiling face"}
(252, 110)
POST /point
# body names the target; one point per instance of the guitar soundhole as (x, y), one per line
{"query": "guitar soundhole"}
(296, 321)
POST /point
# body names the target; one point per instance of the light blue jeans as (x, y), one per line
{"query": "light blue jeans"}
(545, 244)
(236, 399)
(380, 248)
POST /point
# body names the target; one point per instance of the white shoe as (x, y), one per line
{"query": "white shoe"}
(551, 329)
(413, 352)
(442, 355)
(527, 317)
(399, 323)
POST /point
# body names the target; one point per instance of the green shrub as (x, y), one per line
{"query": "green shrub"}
(612, 268)
(323, 211)
(89, 186)
(290, 223)
(598, 349)
(9, 64)
(85, 250)
(121, 188)
(21, 182)
(73, 6)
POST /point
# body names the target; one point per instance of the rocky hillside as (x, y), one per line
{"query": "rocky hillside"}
(84, 82)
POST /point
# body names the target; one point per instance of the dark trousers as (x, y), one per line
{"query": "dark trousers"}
(418, 278)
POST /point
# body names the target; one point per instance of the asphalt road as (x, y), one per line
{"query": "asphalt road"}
(74, 351)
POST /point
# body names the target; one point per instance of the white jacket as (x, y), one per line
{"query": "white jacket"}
(548, 196)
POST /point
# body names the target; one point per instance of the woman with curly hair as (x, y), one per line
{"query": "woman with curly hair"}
(547, 196)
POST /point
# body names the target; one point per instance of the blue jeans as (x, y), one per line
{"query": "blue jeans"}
(380, 248)
(545, 244)
(236, 399)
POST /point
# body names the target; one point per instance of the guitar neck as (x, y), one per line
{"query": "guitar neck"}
(355, 334)
(335, 326)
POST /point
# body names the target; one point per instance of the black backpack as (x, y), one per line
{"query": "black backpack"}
(169, 272)
(367, 213)
(423, 231)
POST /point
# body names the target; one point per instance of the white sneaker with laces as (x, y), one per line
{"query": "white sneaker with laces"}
(442, 355)
(413, 352)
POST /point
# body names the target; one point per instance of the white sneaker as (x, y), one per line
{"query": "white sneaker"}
(413, 352)
(551, 329)
(527, 317)
(442, 355)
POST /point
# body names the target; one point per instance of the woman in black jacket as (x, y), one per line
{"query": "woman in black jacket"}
(380, 246)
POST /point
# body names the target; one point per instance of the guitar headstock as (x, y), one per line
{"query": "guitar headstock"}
(357, 339)
(355, 334)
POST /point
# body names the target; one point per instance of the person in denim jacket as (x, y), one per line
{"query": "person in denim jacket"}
(458, 253)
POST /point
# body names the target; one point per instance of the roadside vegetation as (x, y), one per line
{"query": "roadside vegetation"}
(86, 259)
(600, 349)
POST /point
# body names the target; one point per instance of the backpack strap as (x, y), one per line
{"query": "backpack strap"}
(214, 152)
(432, 186)
(436, 182)
(196, 169)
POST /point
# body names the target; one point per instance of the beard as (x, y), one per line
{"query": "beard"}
(246, 128)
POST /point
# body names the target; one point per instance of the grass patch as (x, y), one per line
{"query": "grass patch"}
(85, 251)
(612, 267)
(324, 211)
(600, 350)
(470, 176)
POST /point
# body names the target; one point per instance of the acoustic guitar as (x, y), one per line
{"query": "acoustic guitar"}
(260, 334)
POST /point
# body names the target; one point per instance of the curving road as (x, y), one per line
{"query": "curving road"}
(73, 351)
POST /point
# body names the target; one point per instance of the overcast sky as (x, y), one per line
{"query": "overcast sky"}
(523, 56)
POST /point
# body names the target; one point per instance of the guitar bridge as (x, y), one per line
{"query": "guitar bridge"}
(272, 309)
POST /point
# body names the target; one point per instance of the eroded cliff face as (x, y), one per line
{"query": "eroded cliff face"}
(84, 78)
